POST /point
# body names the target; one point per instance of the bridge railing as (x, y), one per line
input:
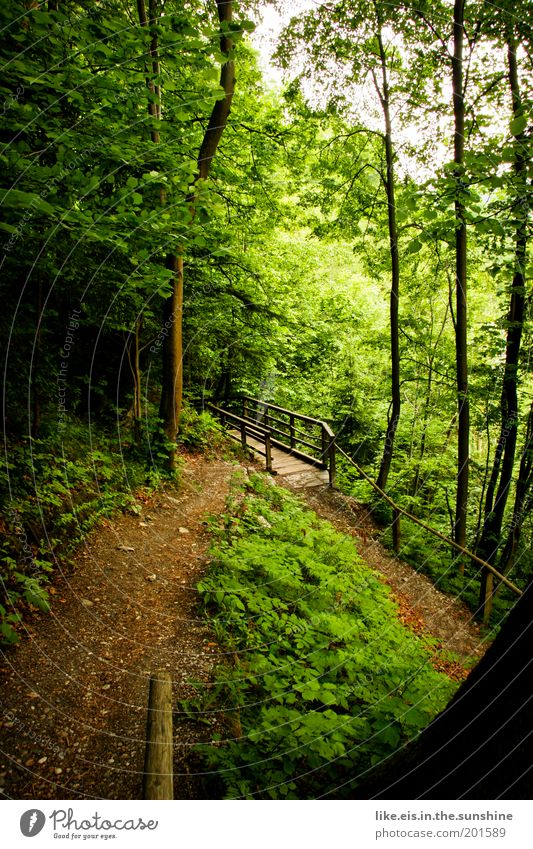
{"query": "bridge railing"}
(312, 440)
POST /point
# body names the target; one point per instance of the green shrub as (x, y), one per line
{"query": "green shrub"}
(200, 431)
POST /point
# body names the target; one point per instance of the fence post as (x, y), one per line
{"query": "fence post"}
(158, 779)
(243, 434)
(293, 435)
(245, 408)
(332, 462)
(268, 452)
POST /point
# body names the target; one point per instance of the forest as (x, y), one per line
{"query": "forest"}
(332, 216)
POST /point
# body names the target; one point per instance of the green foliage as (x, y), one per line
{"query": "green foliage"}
(322, 681)
(200, 431)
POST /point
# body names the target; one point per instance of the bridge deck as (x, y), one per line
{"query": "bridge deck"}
(285, 464)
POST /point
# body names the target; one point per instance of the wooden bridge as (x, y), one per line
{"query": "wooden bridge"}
(290, 443)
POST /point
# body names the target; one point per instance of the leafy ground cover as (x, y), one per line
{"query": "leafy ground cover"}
(320, 680)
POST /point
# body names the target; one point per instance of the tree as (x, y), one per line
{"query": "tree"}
(172, 384)
(461, 351)
(354, 34)
(499, 484)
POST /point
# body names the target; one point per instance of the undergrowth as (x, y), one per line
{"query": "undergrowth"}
(321, 681)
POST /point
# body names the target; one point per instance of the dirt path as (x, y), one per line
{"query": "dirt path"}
(423, 608)
(74, 692)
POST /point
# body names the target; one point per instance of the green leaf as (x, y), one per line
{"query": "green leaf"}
(16, 199)
(414, 246)
(518, 125)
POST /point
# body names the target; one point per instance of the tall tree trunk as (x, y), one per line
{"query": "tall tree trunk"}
(427, 404)
(504, 456)
(134, 355)
(36, 363)
(394, 411)
(463, 453)
(172, 377)
(479, 746)
(172, 385)
(523, 499)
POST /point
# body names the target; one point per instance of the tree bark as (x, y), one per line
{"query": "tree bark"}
(504, 457)
(36, 363)
(394, 412)
(134, 356)
(523, 499)
(172, 377)
(154, 109)
(463, 451)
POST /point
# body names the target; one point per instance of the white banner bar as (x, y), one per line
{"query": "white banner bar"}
(267, 825)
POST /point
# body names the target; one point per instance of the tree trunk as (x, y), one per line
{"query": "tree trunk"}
(461, 503)
(394, 412)
(36, 364)
(172, 385)
(504, 457)
(135, 368)
(479, 746)
(523, 499)
(172, 379)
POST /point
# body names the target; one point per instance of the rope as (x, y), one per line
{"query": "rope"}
(431, 530)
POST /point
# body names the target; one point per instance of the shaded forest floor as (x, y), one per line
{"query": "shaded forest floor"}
(74, 692)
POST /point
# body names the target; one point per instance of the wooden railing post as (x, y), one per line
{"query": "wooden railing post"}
(268, 452)
(243, 434)
(293, 435)
(332, 465)
(265, 416)
(245, 408)
(158, 779)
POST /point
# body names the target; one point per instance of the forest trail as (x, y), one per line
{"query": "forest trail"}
(75, 690)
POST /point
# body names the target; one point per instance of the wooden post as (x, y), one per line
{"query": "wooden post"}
(245, 408)
(243, 434)
(268, 452)
(293, 435)
(332, 463)
(158, 778)
(487, 603)
(396, 531)
(265, 416)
